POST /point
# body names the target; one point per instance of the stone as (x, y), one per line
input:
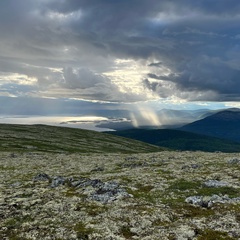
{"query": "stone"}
(41, 177)
(215, 183)
(16, 184)
(191, 166)
(209, 201)
(85, 182)
(234, 161)
(57, 181)
(109, 192)
(98, 169)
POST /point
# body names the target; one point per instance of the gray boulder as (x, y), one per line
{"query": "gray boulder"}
(234, 161)
(41, 177)
(215, 183)
(208, 201)
(109, 192)
(57, 181)
(85, 182)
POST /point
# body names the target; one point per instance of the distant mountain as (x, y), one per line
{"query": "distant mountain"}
(44, 138)
(224, 124)
(180, 140)
(169, 118)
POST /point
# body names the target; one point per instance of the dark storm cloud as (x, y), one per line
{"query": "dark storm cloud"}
(189, 46)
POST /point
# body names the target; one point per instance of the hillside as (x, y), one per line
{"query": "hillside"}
(180, 140)
(165, 195)
(61, 139)
(224, 124)
(50, 191)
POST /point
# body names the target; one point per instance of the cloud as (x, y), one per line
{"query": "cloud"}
(82, 78)
(184, 49)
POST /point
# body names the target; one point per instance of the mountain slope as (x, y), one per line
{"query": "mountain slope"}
(224, 124)
(180, 140)
(60, 139)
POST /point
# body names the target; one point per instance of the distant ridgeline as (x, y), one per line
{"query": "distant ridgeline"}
(224, 124)
(62, 139)
(180, 140)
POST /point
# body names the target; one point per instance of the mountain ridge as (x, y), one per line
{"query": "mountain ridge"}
(46, 138)
(224, 124)
(180, 140)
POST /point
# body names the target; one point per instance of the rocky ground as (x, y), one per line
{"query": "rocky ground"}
(165, 195)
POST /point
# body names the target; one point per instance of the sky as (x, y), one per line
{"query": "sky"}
(62, 57)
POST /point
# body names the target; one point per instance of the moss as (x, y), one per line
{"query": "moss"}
(189, 211)
(126, 180)
(71, 192)
(126, 232)
(159, 222)
(13, 225)
(167, 174)
(183, 185)
(144, 188)
(210, 234)
(230, 191)
(16, 222)
(82, 231)
(95, 210)
(143, 192)
(7, 168)
(198, 189)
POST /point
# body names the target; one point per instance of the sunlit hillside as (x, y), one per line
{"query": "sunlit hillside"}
(61, 139)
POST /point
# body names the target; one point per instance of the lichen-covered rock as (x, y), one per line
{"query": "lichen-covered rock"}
(208, 201)
(57, 181)
(215, 183)
(41, 177)
(85, 182)
(234, 161)
(191, 166)
(109, 192)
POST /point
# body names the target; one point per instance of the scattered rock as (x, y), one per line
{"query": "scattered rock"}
(208, 201)
(13, 155)
(109, 192)
(134, 165)
(57, 181)
(131, 158)
(98, 169)
(16, 184)
(234, 161)
(85, 182)
(191, 166)
(215, 183)
(105, 192)
(41, 177)
(98, 205)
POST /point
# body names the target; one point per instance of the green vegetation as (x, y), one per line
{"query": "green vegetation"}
(126, 232)
(210, 234)
(158, 182)
(15, 223)
(143, 192)
(230, 191)
(82, 230)
(180, 140)
(187, 188)
(25, 138)
(183, 185)
(224, 125)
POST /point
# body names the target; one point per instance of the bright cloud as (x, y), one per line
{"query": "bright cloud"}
(121, 51)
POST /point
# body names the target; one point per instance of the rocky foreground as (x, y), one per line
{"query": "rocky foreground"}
(165, 195)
